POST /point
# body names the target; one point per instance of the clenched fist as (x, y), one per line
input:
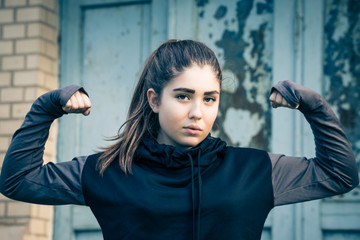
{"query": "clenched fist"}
(277, 100)
(79, 102)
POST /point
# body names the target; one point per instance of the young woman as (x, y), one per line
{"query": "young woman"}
(165, 177)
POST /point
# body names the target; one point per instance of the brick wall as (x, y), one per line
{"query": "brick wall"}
(28, 68)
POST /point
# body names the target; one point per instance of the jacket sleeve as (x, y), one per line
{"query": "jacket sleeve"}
(23, 175)
(333, 171)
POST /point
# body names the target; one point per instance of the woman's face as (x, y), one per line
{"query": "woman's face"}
(188, 107)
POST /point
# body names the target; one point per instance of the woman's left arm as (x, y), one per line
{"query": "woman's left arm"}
(333, 171)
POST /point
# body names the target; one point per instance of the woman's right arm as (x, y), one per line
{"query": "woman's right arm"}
(23, 175)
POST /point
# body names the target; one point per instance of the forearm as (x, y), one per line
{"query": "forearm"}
(333, 170)
(23, 168)
(333, 150)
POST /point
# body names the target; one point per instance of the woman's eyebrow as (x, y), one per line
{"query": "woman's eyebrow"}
(193, 91)
(184, 90)
(211, 92)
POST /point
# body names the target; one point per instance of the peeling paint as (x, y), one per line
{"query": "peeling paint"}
(230, 83)
(241, 36)
(342, 65)
(201, 14)
(239, 133)
(220, 12)
(266, 7)
(202, 3)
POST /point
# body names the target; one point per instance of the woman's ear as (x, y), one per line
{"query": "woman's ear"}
(153, 100)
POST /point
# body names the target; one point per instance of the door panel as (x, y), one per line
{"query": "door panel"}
(113, 49)
(103, 48)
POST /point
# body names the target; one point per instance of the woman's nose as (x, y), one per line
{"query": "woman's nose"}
(195, 111)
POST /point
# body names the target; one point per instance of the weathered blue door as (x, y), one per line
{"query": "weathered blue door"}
(103, 48)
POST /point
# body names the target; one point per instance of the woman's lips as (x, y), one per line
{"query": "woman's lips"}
(193, 130)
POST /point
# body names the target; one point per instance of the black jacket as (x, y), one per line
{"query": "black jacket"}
(209, 192)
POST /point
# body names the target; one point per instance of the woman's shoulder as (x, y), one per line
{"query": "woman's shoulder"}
(244, 149)
(91, 160)
(245, 152)
(94, 157)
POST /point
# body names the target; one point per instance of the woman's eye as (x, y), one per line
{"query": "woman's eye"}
(209, 99)
(182, 97)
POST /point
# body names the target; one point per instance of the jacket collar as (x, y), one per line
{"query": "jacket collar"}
(151, 152)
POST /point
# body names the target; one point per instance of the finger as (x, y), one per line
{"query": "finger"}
(278, 99)
(87, 112)
(272, 99)
(86, 100)
(68, 104)
(272, 96)
(79, 100)
(74, 103)
(67, 107)
(87, 104)
(284, 102)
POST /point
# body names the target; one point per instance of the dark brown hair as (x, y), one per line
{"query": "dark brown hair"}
(166, 63)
